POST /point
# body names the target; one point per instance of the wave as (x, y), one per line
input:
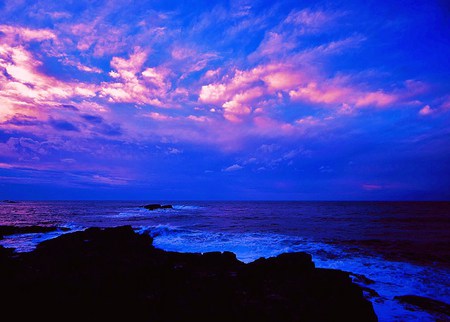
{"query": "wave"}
(186, 207)
(247, 246)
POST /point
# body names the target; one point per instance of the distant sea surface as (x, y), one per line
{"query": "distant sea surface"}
(391, 248)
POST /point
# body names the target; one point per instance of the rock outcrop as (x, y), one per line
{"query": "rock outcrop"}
(116, 274)
(437, 308)
(155, 206)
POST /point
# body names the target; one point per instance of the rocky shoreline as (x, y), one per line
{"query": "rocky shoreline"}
(115, 273)
(13, 230)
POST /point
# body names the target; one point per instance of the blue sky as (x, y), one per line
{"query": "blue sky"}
(225, 100)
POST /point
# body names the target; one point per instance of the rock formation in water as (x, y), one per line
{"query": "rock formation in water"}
(155, 206)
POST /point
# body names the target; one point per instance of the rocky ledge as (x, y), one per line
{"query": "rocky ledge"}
(117, 274)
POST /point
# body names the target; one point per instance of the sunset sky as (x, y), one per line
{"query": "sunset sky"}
(289, 100)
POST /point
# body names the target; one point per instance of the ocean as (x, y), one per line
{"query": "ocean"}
(390, 248)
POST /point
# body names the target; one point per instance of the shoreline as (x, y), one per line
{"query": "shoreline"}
(94, 268)
(410, 301)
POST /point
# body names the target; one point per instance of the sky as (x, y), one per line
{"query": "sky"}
(225, 100)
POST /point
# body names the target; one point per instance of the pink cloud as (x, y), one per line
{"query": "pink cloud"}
(250, 101)
(426, 110)
(334, 92)
(234, 110)
(88, 69)
(26, 34)
(158, 116)
(378, 99)
(308, 120)
(239, 105)
(130, 66)
(212, 73)
(26, 90)
(134, 84)
(311, 92)
(283, 80)
(240, 92)
(212, 93)
(261, 87)
(5, 166)
(270, 127)
(198, 118)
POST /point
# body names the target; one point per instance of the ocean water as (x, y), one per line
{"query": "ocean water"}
(390, 248)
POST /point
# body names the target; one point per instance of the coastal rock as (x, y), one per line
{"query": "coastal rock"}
(155, 206)
(430, 305)
(12, 230)
(117, 274)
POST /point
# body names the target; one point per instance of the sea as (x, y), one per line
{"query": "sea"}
(390, 248)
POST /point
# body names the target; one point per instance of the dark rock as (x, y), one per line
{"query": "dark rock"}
(359, 278)
(370, 292)
(5, 253)
(155, 206)
(424, 303)
(12, 230)
(117, 274)
(9, 201)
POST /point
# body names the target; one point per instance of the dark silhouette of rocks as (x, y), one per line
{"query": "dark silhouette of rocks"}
(116, 274)
(155, 206)
(424, 303)
(12, 230)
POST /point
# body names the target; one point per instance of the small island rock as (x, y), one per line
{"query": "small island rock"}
(155, 206)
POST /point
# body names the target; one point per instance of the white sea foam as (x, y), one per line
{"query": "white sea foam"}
(186, 207)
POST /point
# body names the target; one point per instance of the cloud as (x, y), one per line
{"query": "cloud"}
(26, 90)
(95, 84)
(26, 34)
(198, 118)
(68, 160)
(232, 168)
(212, 93)
(158, 116)
(134, 84)
(335, 92)
(75, 63)
(111, 181)
(269, 148)
(174, 151)
(310, 21)
(308, 120)
(23, 120)
(426, 110)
